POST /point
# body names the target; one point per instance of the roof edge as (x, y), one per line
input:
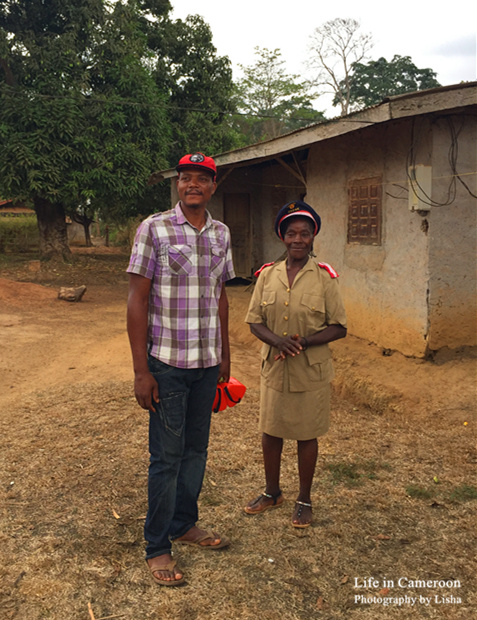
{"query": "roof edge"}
(394, 107)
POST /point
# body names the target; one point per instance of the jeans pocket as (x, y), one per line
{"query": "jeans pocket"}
(172, 410)
(156, 367)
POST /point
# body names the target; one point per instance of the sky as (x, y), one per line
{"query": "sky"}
(439, 36)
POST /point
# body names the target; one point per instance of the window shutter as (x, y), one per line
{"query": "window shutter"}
(365, 211)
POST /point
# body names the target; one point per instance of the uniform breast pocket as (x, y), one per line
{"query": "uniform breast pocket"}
(217, 260)
(180, 259)
(316, 309)
(267, 303)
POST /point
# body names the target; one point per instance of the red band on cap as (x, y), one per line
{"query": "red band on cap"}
(302, 213)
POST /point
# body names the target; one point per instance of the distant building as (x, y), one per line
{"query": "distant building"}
(395, 185)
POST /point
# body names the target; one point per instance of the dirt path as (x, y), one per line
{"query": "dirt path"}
(52, 342)
(86, 341)
(82, 342)
(393, 491)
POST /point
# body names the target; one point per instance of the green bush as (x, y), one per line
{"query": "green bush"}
(121, 234)
(19, 234)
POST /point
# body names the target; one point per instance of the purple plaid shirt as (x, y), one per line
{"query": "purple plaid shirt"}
(188, 268)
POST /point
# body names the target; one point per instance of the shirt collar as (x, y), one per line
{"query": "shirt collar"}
(308, 266)
(282, 271)
(181, 218)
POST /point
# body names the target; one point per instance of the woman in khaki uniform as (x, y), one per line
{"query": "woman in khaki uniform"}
(296, 310)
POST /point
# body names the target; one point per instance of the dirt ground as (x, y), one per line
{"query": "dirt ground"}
(394, 493)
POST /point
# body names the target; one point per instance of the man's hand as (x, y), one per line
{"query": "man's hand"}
(146, 390)
(145, 386)
(224, 371)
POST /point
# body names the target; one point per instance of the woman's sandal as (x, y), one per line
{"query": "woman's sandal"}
(277, 501)
(301, 505)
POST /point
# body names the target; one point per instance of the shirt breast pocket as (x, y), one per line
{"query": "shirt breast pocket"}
(316, 310)
(267, 304)
(180, 259)
(217, 260)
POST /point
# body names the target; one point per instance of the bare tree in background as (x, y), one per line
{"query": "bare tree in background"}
(335, 46)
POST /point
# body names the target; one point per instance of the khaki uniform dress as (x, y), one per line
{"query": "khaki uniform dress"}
(295, 392)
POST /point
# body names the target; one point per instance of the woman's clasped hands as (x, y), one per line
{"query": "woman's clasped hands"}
(290, 345)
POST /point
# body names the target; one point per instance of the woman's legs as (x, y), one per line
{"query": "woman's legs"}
(272, 454)
(307, 456)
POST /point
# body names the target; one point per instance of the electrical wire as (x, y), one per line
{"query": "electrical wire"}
(404, 189)
(138, 104)
(455, 135)
(413, 182)
(410, 158)
(452, 156)
(84, 99)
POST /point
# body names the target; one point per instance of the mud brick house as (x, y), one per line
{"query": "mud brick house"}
(396, 187)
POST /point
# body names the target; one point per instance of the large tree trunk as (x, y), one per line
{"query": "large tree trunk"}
(52, 227)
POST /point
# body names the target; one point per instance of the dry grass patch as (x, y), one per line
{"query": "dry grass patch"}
(73, 486)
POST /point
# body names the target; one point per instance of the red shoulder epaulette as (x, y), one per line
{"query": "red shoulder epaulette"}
(329, 269)
(259, 271)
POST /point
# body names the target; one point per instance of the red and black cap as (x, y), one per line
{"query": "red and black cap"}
(294, 209)
(199, 161)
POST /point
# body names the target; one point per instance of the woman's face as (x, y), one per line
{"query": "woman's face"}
(298, 238)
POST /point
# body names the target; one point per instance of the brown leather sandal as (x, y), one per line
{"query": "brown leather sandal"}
(301, 505)
(277, 501)
(224, 541)
(167, 567)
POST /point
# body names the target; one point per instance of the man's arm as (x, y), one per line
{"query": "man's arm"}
(145, 386)
(224, 372)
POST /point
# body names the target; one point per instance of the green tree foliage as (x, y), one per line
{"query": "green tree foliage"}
(371, 82)
(82, 120)
(272, 101)
(199, 87)
(96, 95)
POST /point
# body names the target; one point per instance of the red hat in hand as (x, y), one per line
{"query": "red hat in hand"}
(228, 394)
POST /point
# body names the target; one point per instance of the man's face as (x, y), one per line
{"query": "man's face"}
(195, 187)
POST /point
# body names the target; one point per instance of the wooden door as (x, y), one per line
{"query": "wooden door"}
(237, 218)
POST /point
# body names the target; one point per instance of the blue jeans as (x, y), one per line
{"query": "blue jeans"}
(178, 439)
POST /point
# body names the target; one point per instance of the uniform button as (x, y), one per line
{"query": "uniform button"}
(286, 303)
(264, 303)
(313, 307)
(285, 333)
(286, 318)
(288, 290)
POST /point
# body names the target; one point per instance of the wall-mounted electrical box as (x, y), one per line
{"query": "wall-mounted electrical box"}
(420, 188)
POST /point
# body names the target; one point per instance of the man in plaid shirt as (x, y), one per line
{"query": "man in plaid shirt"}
(178, 331)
